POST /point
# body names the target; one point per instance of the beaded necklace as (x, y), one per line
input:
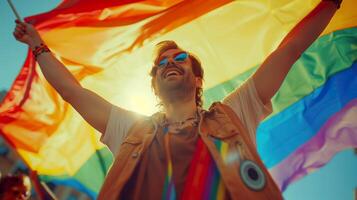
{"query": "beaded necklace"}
(176, 127)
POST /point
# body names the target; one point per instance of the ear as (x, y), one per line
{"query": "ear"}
(199, 82)
(153, 86)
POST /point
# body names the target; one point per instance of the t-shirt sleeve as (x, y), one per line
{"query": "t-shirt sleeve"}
(248, 106)
(118, 126)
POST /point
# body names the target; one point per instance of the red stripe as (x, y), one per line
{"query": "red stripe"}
(90, 13)
(11, 106)
(197, 174)
(87, 13)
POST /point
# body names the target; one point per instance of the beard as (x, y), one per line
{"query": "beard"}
(181, 88)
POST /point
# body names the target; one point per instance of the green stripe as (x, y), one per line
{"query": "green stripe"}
(92, 174)
(216, 174)
(324, 58)
(166, 186)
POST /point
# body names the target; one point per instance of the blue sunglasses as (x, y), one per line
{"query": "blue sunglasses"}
(180, 57)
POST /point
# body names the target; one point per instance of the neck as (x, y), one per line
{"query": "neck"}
(180, 110)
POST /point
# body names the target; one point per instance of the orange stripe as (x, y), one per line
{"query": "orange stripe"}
(164, 18)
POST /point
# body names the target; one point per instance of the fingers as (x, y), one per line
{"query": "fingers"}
(20, 29)
(20, 24)
(19, 33)
(26, 33)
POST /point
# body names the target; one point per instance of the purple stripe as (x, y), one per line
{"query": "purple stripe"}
(209, 181)
(170, 191)
(338, 133)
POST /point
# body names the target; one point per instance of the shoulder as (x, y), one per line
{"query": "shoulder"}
(222, 113)
(222, 122)
(146, 125)
(219, 107)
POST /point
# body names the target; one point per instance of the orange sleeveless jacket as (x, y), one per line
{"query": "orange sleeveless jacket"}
(219, 122)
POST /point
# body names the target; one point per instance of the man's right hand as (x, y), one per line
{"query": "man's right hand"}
(93, 108)
(26, 33)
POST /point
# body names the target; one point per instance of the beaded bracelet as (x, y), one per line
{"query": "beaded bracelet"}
(336, 2)
(40, 49)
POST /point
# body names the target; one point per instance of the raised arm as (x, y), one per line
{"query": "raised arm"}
(271, 74)
(93, 108)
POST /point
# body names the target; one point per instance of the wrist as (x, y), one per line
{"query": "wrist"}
(40, 49)
(35, 43)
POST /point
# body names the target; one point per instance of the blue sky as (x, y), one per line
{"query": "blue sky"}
(335, 181)
(13, 53)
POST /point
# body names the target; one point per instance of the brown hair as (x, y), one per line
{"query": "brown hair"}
(197, 69)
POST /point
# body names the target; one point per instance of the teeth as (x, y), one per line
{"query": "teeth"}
(172, 73)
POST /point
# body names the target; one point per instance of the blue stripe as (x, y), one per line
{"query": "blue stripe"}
(75, 184)
(285, 132)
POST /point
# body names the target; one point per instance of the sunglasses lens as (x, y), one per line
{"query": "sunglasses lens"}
(181, 57)
(163, 62)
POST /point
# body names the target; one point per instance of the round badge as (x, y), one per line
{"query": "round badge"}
(252, 175)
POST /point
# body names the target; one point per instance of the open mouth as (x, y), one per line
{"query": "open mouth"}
(172, 71)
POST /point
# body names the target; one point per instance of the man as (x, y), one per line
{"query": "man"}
(185, 152)
(15, 187)
(18, 187)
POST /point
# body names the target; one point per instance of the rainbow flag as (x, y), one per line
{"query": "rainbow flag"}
(203, 178)
(107, 45)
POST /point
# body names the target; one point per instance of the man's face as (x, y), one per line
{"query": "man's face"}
(17, 192)
(175, 77)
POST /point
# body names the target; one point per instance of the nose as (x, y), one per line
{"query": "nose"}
(170, 59)
(170, 62)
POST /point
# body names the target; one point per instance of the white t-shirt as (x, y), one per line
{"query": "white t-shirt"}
(244, 101)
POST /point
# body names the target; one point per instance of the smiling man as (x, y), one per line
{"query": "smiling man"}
(184, 151)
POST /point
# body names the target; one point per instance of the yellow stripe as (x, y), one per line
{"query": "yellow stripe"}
(224, 151)
(221, 191)
(170, 170)
(221, 188)
(219, 39)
